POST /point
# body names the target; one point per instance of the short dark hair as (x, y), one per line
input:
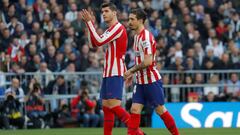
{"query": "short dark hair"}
(140, 14)
(60, 77)
(36, 86)
(110, 5)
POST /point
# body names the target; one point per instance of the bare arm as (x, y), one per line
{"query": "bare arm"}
(146, 62)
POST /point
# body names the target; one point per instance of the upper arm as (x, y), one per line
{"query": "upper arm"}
(146, 43)
(147, 50)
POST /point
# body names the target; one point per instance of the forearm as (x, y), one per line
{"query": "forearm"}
(144, 64)
(93, 36)
(105, 38)
(141, 66)
(91, 43)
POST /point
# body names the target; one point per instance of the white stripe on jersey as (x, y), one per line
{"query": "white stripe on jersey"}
(145, 76)
(114, 68)
(109, 60)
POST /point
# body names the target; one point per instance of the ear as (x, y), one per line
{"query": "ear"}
(115, 13)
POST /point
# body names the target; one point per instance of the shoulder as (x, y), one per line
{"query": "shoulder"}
(146, 36)
(8, 90)
(120, 26)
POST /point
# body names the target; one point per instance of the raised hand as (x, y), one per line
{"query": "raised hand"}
(86, 16)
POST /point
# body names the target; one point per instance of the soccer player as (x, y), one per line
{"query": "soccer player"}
(149, 88)
(114, 67)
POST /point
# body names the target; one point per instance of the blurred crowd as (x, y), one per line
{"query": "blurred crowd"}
(48, 36)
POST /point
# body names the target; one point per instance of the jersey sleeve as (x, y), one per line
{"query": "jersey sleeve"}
(106, 37)
(90, 40)
(146, 45)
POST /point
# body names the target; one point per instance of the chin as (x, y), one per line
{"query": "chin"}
(132, 28)
(106, 20)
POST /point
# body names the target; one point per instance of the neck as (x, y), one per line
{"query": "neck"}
(112, 22)
(139, 29)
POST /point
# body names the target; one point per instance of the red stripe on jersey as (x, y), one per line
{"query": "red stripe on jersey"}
(149, 78)
(155, 73)
(137, 78)
(106, 63)
(118, 63)
(111, 58)
(143, 36)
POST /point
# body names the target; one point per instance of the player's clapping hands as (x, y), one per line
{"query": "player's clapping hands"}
(86, 15)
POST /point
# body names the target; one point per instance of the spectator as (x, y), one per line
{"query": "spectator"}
(225, 62)
(11, 112)
(31, 50)
(50, 57)
(62, 117)
(6, 63)
(216, 47)
(23, 40)
(213, 89)
(84, 57)
(233, 86)
(5, 38)
(210, 97)
(13, 24)
(35, 106)
(86, 109)
(2, 83)
(44, 75)
(210, 61)
(199, 53)
(235, 24)
(72, 78)
(178, 65)
(72, 14)
(16, 90)
(57, 40)
(78, 25)
(60, 64)
(184, 92)
(34, 64)
(15, 50)
(56, 87)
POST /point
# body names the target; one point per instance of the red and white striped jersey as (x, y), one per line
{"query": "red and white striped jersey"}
(145, 44)
(116, 39)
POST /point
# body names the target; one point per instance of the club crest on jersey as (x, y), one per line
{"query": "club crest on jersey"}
(146, 44)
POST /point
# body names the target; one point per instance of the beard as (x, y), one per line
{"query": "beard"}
(131, 27)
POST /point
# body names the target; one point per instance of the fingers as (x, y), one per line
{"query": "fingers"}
(83, 14)
(86, 16)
